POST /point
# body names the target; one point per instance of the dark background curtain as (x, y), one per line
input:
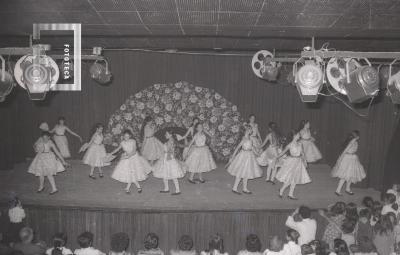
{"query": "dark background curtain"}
(231, 76)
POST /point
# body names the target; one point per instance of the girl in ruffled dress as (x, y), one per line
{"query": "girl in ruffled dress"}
(255, 134)
(269, 156)
(243, 165)
(200, 159)
(348, 167)
(96, 154)
(132, 168)
(60, 139)
(152, 148)
(311, 151)
(168, 167)
(293, 170)
(45, 163)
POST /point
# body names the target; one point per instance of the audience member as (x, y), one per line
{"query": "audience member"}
(119, 244)
(151, 242)
(215, 246)
(85, 241)
(303, 224)
(185, 246)
(26, 245)
(253, 246)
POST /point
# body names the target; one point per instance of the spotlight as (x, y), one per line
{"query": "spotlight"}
(263, 67)
(37, 74)
(6, 81)
(100, 73)
(393, 85)
(336, 72)
(361, 83)
(309, 79)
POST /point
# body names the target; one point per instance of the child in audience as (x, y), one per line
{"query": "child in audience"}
(351, 211)
(349, 229)
(340, 247)
(367, 202)
(384, 237)
(389, 204)
(306, 249)
(364, 225)
(292, 247)
(395, 191)
(335, 218)
(365, 247)
(185, 246)
(253, 246)
(151, 245)
(85, 241)
(16, 215)
(119, 244)
(215, 246)
(59, 242)
(275, 246)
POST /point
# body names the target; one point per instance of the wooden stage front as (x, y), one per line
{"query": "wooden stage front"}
(102, 206)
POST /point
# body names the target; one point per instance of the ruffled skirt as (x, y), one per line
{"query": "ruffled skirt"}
(349, 168)
(133, 169)
(200, 160)
(311, 151)
(152, 149)
(95, 156)
(169, 169)
(62, 145)
(293, 171)
(268, 156)
(245, 165)
(45, 164)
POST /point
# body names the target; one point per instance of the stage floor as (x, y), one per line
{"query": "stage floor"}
(76, 189)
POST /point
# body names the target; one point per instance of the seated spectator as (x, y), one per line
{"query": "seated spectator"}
(16, 216)
(119, 244)
(367, 203)
(185, 246)
(303, 224)
(85, 241)
(348, 231)
(395, 191)
(389, 204)
(351, 211)
(151, 245)
(292, 247)
(335, 218)
(364, 225)
(26, 245)
(59, 242)
(215, 246)
(253, 246)
(319, 248)
(306, 249)
(376, 212)
(275, 246)
(340, 247)
(384, 240)
(365, 247)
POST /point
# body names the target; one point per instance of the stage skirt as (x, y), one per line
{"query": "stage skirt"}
(62, 145)
(95, 155)
(45, 164)
(152, 148)
(349, 168)
(169, 169)
(256, 144)
(245, 165)
(200, 160)
(293, 171)
(268, 156)
(133, 169)
(311, 151)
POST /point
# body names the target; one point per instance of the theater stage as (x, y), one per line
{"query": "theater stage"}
(76, 189)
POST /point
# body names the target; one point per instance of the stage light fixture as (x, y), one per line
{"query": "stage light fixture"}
(263, 67)
(6, 81)
(37, 74)
(100, 73)
(336, 72)
(361, 83)
(308, 79)
(393, 84)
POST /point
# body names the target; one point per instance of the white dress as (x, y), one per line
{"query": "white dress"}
(96, 153)
(132, 169)
(152, 148)
(168, 167)
(293, 168)
(61, 141)
(245, 165)
(291, 248)
(200, 159)
(254, 137)
(311, 151)
(348, 166)
(45, 162)
(268, 156)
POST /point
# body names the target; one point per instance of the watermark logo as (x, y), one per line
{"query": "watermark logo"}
(70, 68)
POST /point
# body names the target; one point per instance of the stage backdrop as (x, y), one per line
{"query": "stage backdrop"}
(230, 76)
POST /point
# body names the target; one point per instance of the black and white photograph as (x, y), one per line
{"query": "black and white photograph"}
(199, 127)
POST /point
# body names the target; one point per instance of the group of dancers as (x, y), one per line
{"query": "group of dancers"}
(286, 158)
